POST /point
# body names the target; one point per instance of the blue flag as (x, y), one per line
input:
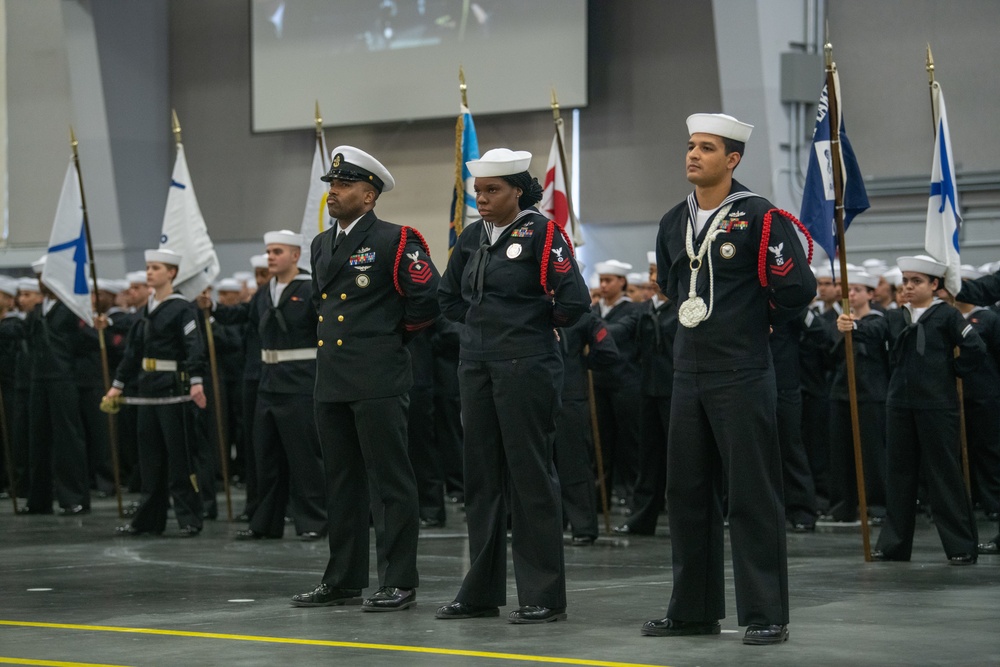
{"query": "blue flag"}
(463, 188)
(818, 196)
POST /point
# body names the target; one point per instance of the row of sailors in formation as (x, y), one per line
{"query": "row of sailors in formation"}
(632, 369)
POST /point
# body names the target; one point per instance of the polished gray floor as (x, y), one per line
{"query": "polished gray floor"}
(71, 594)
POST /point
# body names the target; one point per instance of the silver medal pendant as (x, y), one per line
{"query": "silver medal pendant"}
(692, 312)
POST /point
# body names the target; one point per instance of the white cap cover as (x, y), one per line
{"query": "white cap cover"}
(500, 162)
(39, 264)
(28, 285)
(284, 236)
(259, 261)
(244, 277)
(613, 267)
(108, 285)
(719, 124)
(922, 264)
(970, 272)
(651, 257)
(229, 285)
(894, 276)
(136, 277)
(855, 277)
(163, 256)
(8, 285)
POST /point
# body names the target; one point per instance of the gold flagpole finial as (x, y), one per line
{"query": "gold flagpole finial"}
(176, 125)
(555, 105)
(930, 65)
(828, 47)
(72, 141)
(319, 120)
(462, 87)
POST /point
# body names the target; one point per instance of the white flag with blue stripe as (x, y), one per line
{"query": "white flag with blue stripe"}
(185, 233)
(67, 268)
(316, 218)
(943, 218)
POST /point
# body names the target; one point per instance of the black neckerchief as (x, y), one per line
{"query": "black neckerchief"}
(481, 258)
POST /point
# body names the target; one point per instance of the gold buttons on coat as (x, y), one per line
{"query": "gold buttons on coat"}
(340, 318)
(320, 343)
(320, 318)
(340, 342)
(343, 296)
(324, 295)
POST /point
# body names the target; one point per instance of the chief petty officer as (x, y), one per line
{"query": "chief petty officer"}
(373, 283)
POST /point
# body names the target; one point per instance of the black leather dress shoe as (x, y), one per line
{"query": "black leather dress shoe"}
(880, 556)
(128, 530)
(325, 596)
(242, 517)
(23, 511)
(432, 523)
(668, 627)
(189, 531)
(388, 598)
(311, 536)
(991, 548)
(757, 634)
(962, 559)
(804, 527)
(535, 614)
(626, 529)
(249, 534)
(583, 540)
(74, 510)
(463, 610)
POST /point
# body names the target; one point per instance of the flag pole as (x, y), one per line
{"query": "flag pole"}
(459, 211)
(219, 430)
(105, 371)
(959, 387)
(833, 118)
(558, 121)
(319, 136)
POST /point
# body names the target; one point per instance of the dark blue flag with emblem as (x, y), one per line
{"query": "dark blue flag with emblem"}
(66, 263)
(818, 196)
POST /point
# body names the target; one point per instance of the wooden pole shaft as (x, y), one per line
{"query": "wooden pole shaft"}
(219, 430)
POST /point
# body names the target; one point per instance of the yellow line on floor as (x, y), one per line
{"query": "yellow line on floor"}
(51, 663)
(324, 642)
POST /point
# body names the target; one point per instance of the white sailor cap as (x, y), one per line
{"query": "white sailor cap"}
(822, 271)
(651, 257)
(259, 261)
(499, 162)
(108, 285)
(284, 237)
(136, 277)
(893, 276)
(348, 163)
(719, 124)
(164, 256)
(595, 280)
(857, 277)
(922, 264)
(969, 272)
(229, 285)
(28, 285)
(8, 285)
(243, 277)
(876, 267)
(613, 267)
(637, 278)
(850, 267)
(39, 265)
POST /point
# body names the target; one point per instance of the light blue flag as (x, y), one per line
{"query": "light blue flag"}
(469, 150)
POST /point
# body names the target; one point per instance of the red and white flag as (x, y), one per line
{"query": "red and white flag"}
(555, 199)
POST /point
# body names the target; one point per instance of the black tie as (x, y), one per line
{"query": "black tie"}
(340, 239)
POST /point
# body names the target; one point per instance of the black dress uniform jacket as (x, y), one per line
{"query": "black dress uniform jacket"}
(170, 333)
(370, 292)
(368, 295)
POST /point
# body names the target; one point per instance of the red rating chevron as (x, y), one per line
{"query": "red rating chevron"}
(783, 269)
(420, 273)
